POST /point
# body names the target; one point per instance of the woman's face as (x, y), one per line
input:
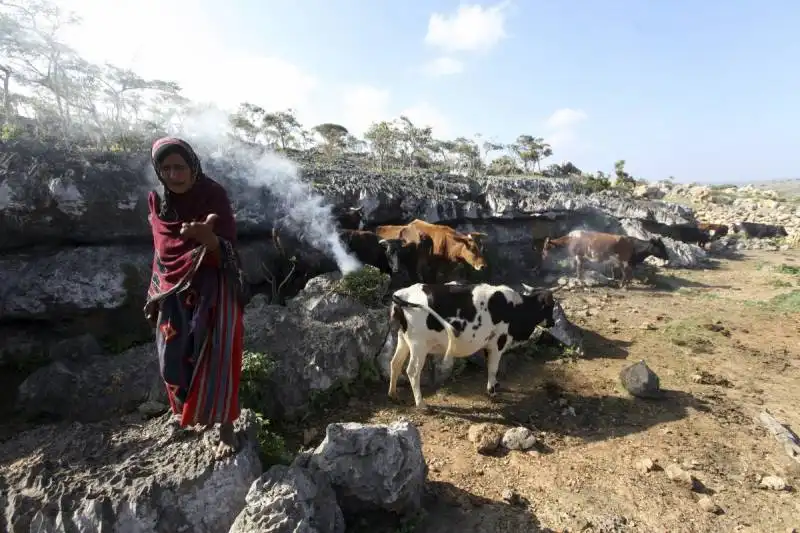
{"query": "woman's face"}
(176, 174)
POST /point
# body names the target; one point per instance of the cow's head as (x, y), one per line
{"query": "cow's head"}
(658, 249)
(736, 227)
(540, 304)
(351, 217)
(469, 249)
(720, 230)
(546, 247)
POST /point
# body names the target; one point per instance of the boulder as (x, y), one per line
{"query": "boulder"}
(124, 475)
(373, 467)
(92, 390)
(317, 341)
(290, 499)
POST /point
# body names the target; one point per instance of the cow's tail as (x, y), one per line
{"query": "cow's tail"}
(448, 328)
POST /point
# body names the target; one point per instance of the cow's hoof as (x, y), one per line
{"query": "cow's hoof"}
(394, 398)
(492, 391)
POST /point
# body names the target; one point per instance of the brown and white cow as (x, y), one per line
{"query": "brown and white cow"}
(450, 247)
(596, 246)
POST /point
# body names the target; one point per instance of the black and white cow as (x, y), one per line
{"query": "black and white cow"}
(458, 320)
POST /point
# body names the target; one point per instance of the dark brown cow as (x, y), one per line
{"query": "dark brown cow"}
(758, 230)
(410, 261)
(596, 246)
(365, 245)
(450, 247)
(349, 217)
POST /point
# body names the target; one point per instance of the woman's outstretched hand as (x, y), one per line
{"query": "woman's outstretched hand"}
(202, 232)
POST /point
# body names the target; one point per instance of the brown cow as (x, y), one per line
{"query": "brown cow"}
(596, 246)
(711, 232)
(450, 247)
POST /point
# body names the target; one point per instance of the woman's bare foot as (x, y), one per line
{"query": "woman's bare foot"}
(227, 441)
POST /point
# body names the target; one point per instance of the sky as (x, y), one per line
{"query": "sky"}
(702, 91)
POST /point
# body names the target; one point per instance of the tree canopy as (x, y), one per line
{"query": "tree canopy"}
(51, 92)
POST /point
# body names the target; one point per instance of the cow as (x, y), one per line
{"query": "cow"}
(758, 230)
(410, 260)
(365, 245)
(458, 320)
(642, 249)
(596, 246)
(714, 231)
(349, 217)
(450, 247)
(292, 264)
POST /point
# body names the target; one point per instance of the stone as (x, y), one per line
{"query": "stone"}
(90, 391)
(125, 475)
(708, 505)
(311, 356)
(486, 437)
(772, 483)
(679, 476)
(519, 438)
(290, 499)
(374, 467)
(640, 381)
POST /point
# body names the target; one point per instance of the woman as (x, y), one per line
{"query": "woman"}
(196, 294)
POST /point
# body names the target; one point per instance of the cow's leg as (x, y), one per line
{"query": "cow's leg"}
(578, 261)
(419, 353)
(400, 355)
(493, 356)
(627, 273)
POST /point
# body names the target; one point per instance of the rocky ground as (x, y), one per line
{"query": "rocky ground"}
(729, 204)
(725, 343)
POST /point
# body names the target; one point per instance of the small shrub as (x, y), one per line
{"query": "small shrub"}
(256, 369)
(368, 285)
(788, 269)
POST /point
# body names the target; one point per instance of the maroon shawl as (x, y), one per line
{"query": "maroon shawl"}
(177, 259)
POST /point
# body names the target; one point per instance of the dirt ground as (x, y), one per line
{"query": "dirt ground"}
(724, 350)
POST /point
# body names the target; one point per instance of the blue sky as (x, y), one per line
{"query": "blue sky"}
(701, 91)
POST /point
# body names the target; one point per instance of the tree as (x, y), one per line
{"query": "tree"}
(383, 139)
(531, 151)
(623, 179)
(334, 136)
(503, 166)
(282, 126)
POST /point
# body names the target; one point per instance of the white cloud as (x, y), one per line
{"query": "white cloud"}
(472, 28)
(563, 127)
(126, 35)
(444, 66)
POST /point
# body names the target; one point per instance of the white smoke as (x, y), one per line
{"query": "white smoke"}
(307, 213)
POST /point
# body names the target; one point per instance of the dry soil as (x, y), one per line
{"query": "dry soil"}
(725, 343)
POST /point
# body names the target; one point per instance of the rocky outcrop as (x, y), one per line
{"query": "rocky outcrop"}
(726, 205)
(124, 475)
(76, 249)
(320, 341)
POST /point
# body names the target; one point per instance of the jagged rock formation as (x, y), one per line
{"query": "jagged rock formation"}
(124, 475)
(75, 249)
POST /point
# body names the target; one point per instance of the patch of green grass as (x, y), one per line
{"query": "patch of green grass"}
(787, 301)
(788, 269)
(368, 285)
(690, 334)
(256, 370)
(779, 283)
